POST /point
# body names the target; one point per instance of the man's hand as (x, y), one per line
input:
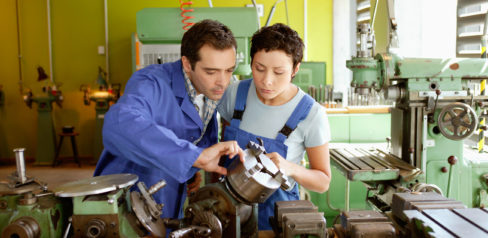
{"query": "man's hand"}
(208, 160)
(194, 185)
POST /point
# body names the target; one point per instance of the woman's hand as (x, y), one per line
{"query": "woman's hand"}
(282, 163)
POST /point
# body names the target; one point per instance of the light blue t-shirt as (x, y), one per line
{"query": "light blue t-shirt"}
(266, 121)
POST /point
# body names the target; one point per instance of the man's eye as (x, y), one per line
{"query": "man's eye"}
(210, 72)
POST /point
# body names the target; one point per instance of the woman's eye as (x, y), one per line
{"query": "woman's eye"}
(279, 73)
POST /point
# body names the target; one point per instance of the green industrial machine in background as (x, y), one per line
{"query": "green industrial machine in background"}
(104, 96)
(159, 33)
(46, 134)
(435, 114)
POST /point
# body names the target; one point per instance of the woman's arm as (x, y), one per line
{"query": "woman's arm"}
(318, 177)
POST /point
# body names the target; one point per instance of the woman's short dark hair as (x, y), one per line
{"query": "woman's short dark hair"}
(205, 32)
(278, 37)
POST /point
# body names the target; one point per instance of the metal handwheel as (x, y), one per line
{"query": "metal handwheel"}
(457, 121)
(426, 187)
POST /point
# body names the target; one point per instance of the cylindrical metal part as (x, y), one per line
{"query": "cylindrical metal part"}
(363, 34)
(159, 185)
(392, 93)
(362, 91)
(20, 162)
(249, 181)
(95, 228)
(24, 227)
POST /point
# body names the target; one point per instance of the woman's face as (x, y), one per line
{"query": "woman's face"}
(272, 72)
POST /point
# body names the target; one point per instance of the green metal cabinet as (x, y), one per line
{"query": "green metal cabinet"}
(359, 128)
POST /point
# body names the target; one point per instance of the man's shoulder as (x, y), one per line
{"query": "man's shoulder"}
(160, 73)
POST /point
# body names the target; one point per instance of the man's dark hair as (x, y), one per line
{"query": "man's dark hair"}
(205, 32)
(278, 37)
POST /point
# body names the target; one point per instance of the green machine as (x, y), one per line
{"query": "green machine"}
(46, 136)
(103, 97)
(436, 111)
(101, 206)
(27, 208)
(159, 32)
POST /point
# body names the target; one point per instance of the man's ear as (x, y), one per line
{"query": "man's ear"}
(295, 71)
(186, 64)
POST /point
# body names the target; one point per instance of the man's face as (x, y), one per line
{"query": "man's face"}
(211, 74)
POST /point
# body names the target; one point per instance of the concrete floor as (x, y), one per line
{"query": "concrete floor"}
(66, 172)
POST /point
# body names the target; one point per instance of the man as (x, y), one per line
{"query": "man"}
(165, 126)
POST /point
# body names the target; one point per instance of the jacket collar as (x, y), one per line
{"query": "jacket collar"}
(179, 89)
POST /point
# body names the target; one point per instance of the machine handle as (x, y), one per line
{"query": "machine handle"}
(452, 160)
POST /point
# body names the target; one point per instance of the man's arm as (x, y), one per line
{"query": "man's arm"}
(130, 131)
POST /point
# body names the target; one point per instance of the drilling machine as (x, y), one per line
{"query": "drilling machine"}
(435, 111)
(229, 208)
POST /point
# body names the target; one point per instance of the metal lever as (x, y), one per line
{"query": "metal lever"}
(191, 231)
(452, 161)
(159, 185)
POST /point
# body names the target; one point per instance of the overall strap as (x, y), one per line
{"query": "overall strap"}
(241, 99)
(301, 111)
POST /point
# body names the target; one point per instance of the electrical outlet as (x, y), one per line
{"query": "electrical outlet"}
(101, 50)
(260, 9)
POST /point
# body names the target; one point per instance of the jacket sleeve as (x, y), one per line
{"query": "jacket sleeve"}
(130, 131)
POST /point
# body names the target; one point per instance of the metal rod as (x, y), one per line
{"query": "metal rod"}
(107, 65)
(51, 72)
(449, 181)
(347, 195)
(19, 47)
(20, 162)
(257, 15)
(305, 35)
(156, 187)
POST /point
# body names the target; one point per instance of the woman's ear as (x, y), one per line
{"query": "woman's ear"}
(295, 71)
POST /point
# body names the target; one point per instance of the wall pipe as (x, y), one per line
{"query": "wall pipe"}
(50, 42)
(19, 47)
(107, 65)
(305, 36)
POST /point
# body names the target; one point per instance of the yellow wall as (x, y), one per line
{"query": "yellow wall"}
(77, 30)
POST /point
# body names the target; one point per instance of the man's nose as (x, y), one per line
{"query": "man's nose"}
(222, 78)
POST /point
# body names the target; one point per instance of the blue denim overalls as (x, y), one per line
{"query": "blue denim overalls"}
(232, 132)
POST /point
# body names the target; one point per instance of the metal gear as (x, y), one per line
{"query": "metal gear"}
(208, 219)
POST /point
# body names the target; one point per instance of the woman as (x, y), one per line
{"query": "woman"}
(272, 108)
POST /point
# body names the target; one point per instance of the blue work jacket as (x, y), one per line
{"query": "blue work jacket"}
(150, 130)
